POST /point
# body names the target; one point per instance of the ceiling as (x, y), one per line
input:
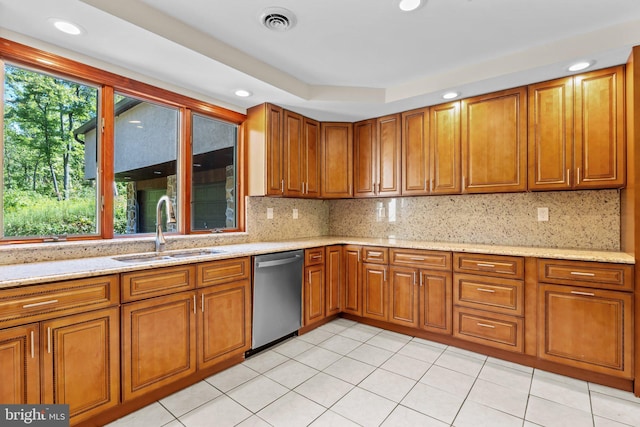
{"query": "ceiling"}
(344, 60)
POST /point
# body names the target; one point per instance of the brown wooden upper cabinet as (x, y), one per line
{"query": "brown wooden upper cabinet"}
(494, 142)
(284, 157)
(301, 156)
(376, 156)
(431, 150)
(336, 163)
(576, 132)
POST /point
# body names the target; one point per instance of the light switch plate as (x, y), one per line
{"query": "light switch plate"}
(269, 213)
(543, 214)
(295, 213)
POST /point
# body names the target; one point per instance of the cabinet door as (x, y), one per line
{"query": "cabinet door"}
(334, 278)
(599, 129)
(403, 296)
(494, 142)
(352, 288)
(586, 328)
(445, 149)
(551, 135)
(435, 301)
(311, 158)
(293, 164)
(365, 158)
(314, 303)
(275, 150)
(80, 362)
(336, 160)
(20, 365)
(415, 152)
(388, 155)
(224, 322)
(159, 342)
(374, 291)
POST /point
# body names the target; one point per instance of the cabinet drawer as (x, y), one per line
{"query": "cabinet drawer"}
(432, 260)
(375, 255)
(314, 256)
(494, 265)
(591, 274)
(218, 272)
(32, 303)
(489, 293)
(160, 281)
(495, 330)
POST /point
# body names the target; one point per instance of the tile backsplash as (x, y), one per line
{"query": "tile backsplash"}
(577, 219)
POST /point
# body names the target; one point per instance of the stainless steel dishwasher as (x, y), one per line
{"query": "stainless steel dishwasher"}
(277, 296)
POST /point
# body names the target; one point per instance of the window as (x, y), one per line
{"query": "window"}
(87, 154)
(145, 163)
(214, 182)
(49, 167)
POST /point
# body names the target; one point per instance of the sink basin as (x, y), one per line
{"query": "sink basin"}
(142, 258)
(166, 256)
(197, 252)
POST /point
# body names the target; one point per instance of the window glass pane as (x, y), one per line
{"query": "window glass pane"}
(49, 156)
(213, 193)
(145, 160)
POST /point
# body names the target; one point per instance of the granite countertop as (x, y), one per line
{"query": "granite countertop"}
(48, 271)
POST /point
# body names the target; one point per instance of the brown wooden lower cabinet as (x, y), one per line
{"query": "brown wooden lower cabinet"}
(334, 271)
(352, 286)
(20, 364)
(224, 322)
(314, 294)
(374, 291)
(80, 362)
(158, 342)
(435, 301)
(586, 328)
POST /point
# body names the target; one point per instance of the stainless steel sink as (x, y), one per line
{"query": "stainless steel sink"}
(142, 258)
(166, 255)
(195, 252)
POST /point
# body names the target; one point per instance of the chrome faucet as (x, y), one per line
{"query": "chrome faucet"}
(171, 219)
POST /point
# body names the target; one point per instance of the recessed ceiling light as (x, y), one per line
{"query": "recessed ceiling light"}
(409, 5)
(450, 95)
(242, 93)
(66, 26)
(578, 66)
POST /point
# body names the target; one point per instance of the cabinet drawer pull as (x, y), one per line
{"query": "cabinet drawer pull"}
(48, 340)
(194, 304)
(421, 276)
(316, 256)
(32, 345)
(586, 294)
(485, 325)
(581, 273)
(38, 304)
(202, 302)
(415, 282)
(568, 177)
(384, 274)
(417, 258)
(480, 264)
(375, 253)
(490, 291)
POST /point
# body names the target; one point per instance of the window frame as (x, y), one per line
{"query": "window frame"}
(109, 83)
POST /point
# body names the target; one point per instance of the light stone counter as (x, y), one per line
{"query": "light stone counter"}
(55, 270)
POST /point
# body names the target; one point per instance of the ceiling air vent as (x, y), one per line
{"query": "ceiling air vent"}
(278, 19)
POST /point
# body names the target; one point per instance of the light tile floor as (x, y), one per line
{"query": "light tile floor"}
(350, 374)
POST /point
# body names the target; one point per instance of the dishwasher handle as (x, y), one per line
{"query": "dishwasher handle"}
(275, 262)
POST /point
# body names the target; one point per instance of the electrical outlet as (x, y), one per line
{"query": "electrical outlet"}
(543, 214)
(295, 213)
(269, 213)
